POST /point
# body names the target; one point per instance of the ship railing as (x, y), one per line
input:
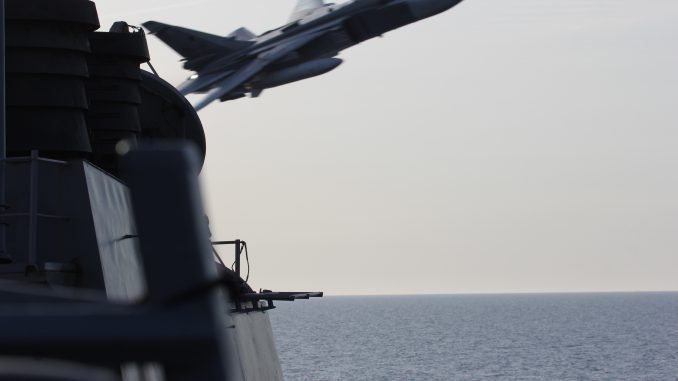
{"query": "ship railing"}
(246, 301)
(240, 246)
(33, 214)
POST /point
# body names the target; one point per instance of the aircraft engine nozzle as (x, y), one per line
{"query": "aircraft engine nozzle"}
(295, 73)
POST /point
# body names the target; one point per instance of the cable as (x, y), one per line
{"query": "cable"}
(152, 68)
(243, 246)
(216, 253)
(247, 258)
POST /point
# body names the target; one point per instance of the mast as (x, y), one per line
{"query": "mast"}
(4, 256)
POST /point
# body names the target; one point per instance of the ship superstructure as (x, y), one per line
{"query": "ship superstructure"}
(106, 265)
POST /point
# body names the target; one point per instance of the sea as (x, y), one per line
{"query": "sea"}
(615, 336)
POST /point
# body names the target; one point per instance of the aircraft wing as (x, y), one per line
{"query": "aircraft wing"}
(222, 87)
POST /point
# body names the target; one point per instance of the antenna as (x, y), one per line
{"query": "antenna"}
(4, 256)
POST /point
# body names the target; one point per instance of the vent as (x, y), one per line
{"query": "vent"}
(47, 45)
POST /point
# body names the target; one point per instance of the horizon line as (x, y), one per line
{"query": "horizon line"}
(326, 294)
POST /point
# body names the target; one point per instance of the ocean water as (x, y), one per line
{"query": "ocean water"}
(481, 337)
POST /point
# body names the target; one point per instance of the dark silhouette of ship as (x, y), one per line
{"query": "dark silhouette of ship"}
(107, 271)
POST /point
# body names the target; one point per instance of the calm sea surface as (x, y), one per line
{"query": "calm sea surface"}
(493, 337)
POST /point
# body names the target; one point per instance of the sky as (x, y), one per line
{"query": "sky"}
(500, 147)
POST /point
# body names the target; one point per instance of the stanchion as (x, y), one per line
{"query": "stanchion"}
(4, 255)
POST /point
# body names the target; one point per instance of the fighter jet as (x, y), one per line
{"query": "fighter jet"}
(243, 63)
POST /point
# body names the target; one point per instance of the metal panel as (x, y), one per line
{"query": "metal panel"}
(115, 233)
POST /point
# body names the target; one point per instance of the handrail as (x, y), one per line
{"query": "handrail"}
(239, 244)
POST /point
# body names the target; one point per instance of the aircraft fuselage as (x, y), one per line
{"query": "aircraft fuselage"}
(353, 22)
(242, 63)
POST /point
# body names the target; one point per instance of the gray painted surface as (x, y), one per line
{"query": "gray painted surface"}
(255, 346)
(64, 229)
(119, 253)
(114, 224)
(98, 233)
(249, 342)
(253, 341)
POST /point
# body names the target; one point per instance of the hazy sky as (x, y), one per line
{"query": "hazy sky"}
(504, 146)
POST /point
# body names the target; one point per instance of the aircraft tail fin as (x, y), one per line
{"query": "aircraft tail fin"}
(242, 34)
(192, 43)
(304, 7)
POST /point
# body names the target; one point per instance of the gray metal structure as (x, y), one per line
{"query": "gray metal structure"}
(135, 320)
(4, 256)
(242, 63)
(110, 274)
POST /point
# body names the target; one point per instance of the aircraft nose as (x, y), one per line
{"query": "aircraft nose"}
(427, 8)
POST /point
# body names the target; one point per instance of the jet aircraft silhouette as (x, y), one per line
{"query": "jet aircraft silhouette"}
(243, 63)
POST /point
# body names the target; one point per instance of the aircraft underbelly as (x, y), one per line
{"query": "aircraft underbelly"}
(374, 23)
(327, 45)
